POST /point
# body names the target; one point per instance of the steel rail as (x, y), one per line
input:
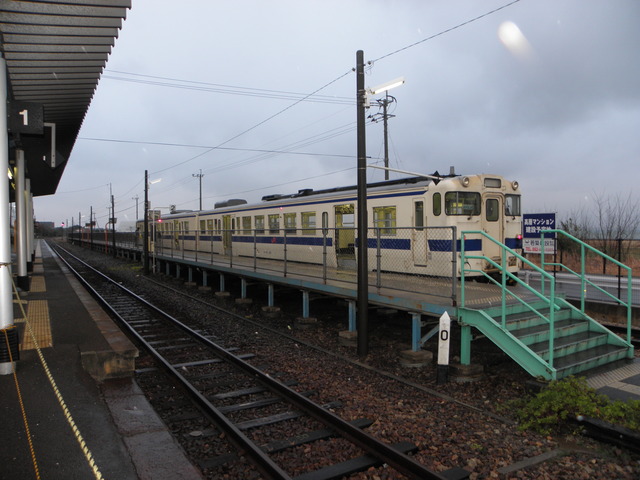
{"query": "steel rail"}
(378, 449)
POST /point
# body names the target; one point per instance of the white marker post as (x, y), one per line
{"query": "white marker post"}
(443, 348)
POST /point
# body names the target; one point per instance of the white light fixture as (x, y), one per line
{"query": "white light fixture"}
(385, 86)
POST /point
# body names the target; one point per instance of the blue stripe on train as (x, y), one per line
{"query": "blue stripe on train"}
(386, 243)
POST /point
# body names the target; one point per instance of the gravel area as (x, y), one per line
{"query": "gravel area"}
(464, 425)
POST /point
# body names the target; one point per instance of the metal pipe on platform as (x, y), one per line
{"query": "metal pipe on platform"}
(31, 242)
(21, 222)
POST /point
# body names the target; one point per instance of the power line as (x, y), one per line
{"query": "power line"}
(228, 89)
(435, 35)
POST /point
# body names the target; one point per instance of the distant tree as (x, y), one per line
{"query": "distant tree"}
(611, 218)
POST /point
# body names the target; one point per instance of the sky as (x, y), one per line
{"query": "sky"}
(250, 97)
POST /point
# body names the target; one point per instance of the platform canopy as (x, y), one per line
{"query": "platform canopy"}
(55, 53)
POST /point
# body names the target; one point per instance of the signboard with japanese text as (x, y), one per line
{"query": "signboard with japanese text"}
(532, 225)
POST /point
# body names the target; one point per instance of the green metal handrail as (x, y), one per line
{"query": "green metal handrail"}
(549, 300)
(583, 277)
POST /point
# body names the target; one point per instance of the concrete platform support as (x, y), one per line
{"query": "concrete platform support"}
(190, 282)
(222, 292)
(271, 310)
(305, 321)
(205, 282)
(416, 331)
(243, 300)
(349, 338)
(177, 270)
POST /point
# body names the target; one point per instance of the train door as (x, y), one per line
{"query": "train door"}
(345, 232)
(492, 224)
(227, 234)
(420, 246)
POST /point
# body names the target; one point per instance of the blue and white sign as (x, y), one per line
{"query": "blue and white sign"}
(532, 225)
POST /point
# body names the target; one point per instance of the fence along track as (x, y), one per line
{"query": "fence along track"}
(103, 289)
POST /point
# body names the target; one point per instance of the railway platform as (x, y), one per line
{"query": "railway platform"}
(73, 393)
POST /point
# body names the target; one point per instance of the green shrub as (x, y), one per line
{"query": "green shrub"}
(553, 409)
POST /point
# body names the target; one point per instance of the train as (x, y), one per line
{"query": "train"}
(415, 226)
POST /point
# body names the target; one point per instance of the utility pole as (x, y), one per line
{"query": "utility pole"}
(199, 177)
(91, 228)
(113, 225)
(145, 239)
(384, 103)
(362, 313)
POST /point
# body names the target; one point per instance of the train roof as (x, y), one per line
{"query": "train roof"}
(417, 182)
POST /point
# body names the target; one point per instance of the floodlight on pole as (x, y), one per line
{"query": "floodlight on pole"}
(386, 86)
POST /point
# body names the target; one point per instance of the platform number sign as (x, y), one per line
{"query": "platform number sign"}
(26, 117)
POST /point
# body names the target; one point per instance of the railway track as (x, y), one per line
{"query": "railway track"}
(222, 395)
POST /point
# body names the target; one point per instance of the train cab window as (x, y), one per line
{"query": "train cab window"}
(246, 225)
(259, 223)
(437, 204)
(290, 223)
(274, 223)
(384, 218)
(418, 215)
(308, 220)
(462, 203)
(492, 207)
(512, 205)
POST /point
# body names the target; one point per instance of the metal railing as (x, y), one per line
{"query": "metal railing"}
(584, 280)
(504, 278)
(422, 260)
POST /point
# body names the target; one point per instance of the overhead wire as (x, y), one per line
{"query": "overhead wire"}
(219, 88)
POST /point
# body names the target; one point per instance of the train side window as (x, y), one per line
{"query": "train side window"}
(492, 209)
(437, 204)
(308, 221)
(259, 223)
(384, 218)
(512, 205)
(246, 225)
(274, 223)
(325, 223)
(418, 215)
(290, 223)
(462, 203)
(210, 225)
(203, 227)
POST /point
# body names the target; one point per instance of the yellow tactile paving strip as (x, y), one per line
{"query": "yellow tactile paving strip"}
(38, 315)
(37, 284)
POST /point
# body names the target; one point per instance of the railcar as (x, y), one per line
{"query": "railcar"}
(415, 225)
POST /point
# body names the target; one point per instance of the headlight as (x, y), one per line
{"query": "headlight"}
(465, 181)
(515, 185)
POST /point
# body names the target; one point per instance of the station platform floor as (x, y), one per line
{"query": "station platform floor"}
(73, 393)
